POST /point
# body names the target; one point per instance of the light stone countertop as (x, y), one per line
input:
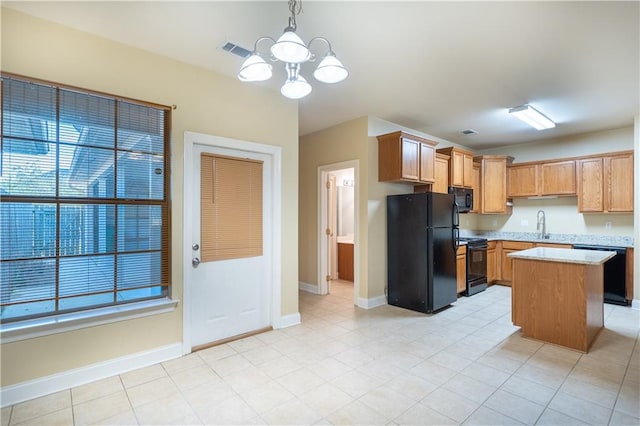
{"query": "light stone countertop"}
(587, 257)
(598, 240)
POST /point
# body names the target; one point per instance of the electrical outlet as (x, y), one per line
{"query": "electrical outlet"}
(466, 222)
(524, 222)
(495, 222)
(607, 225)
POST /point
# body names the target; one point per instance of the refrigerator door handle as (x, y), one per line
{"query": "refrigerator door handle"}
(456, 215)
(456, 239)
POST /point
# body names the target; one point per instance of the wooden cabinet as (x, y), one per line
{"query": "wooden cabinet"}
(345, 261)
(558, 178)
(619, 183)
(461, 268)
(523, 180)
(441, 183)
(493, 184)
(476, 188)
(605, 184)
(506, 274)
(492, 264)
(540, 179)
(406, 158)
(460, 166)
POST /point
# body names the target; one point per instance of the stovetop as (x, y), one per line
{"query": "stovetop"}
(473, 240)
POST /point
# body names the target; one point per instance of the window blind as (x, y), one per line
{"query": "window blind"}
(84, 213)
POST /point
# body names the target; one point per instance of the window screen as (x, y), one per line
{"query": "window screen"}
(84, 215)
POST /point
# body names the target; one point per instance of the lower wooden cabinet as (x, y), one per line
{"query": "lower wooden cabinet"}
(492, 262)
(461, 268)
(345, 261)
(506, 274)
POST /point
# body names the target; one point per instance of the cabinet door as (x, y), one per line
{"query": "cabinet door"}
(427, 163)
(461, 269)
(491, 265)
(620, 183)
(507, 262)
(476, 188)
(410, 159)
(442, 175)
(467, 170)
(523, 181)
(558, 178)
(494, 186)
(456, 174)
(590, 176)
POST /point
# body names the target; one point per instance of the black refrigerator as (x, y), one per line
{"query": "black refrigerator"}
(422, 239)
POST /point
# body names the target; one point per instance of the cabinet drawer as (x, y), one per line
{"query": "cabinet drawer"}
(516, 245)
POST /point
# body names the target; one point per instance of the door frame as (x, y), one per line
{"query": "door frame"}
(274, 242)
(322, 260)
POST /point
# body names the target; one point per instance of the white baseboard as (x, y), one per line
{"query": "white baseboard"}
(287, 321)
(309, 288)
(35, 388)
(635, 304)
(374, 302)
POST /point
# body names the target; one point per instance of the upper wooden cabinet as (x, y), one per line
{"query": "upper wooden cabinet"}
(558, 178)
(605, 184)
(543, 178)
(460, 166)
(476, 188)
(441, 173)
(406, 158)
(493, 184)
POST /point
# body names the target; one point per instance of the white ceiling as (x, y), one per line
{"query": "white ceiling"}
(436, 67)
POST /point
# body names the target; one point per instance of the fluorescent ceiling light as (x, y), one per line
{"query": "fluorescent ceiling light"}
(532, 117)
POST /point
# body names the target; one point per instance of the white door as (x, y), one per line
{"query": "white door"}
(228, 297)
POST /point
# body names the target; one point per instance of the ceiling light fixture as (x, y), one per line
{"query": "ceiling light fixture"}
(291, 50)
(532, 117)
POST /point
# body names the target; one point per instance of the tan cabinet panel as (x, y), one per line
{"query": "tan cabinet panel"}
(493, 183)
(590, 177)
(441, 183)
(523, 180)
(558, 178)
(620, 183)
(461, 268)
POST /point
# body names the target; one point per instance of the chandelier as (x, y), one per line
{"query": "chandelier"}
(291, 50)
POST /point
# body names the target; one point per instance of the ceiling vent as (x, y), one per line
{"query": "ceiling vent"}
(236, 50)
(469, 132)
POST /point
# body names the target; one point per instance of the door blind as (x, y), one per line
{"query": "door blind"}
(230, 208)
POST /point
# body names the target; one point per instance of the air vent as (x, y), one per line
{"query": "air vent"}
(236, 50)
(469, 132)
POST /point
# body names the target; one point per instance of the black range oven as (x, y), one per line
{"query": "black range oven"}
(476, 265)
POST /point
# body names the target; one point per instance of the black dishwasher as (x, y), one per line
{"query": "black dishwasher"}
(615, 274)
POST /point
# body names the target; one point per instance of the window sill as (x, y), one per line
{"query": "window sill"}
(29, 329)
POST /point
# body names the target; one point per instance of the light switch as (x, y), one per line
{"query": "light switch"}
(524, 222)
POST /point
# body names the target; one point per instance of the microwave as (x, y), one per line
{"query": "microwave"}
(463, 198)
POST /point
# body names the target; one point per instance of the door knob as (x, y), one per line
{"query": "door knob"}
(195, 262)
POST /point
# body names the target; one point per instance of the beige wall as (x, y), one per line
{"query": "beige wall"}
(562, 214)
(207, 103)
(343, 142)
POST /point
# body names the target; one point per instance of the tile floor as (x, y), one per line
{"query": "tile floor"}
(387, 366)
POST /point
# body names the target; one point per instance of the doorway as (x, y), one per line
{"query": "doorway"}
(229, 296)
(337, 227)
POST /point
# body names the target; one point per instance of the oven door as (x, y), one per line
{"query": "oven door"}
(476, 269)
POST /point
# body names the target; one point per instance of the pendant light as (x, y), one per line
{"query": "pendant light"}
(292, 51)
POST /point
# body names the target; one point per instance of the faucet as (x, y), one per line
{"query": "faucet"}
(541, 226)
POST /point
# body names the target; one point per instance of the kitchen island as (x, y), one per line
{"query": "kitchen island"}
(557, 295)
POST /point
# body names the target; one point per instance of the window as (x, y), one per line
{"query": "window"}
(84, 213)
